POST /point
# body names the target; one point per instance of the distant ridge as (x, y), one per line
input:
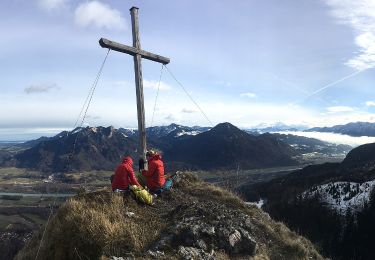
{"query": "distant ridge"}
(352, 129)
(276, 127)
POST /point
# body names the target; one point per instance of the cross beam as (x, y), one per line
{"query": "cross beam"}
(132, 51)
(138, 54)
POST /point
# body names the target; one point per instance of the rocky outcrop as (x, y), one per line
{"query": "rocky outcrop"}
(206, 231)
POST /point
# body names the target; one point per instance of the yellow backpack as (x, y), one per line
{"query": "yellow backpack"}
(141, 194)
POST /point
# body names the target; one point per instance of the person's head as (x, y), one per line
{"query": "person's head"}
(151, 153)
(127, 159)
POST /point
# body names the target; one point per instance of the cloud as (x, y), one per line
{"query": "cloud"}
(370, 103)
(249, 95)
(97, 15)
(52, 5)
(152, 84)
(339, 109)
(224, 83)
(123, 84)
(188, 111)
(93, 117)
(171, 118)
(360, 16)
(41, 88)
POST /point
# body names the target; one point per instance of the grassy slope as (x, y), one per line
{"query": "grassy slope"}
(95, 225)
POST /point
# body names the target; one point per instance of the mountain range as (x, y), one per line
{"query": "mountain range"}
(100, 148)
(355, 129)
(276, 127)
(352, 129)
(224, 146)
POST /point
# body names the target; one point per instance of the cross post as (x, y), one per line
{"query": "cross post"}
(138, 54)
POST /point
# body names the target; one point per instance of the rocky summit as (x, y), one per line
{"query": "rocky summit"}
(194, 220)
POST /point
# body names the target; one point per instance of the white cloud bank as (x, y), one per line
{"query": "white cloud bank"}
(335, 138)
(223, 83)
(339, 109)
(153, 84)
(248, 95)
(370, 103)
(188, 111)
(97, 15)
(360, 16)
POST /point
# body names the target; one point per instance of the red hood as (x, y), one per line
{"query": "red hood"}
(128, 160)
(156, 157)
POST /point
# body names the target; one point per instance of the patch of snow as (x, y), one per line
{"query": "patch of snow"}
(49, 179)
(342, 196)
(94, 129)
(62, 134)
(259, 204)
(130, 130)
(171, 128)
(78, 129)
(183, 132)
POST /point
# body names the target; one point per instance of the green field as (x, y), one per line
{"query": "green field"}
(26, 181)
(91, 178)
(17, 176)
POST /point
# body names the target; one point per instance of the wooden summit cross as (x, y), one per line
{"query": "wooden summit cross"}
(138, 54)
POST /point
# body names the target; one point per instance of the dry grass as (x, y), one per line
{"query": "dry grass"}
(95, 224)
(211, 192)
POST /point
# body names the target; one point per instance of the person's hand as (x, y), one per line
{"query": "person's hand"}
(141, 164)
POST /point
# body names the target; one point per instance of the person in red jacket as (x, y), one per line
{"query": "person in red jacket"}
(155, 178)
(124, 175)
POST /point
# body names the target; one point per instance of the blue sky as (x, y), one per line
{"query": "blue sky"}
(247, 62)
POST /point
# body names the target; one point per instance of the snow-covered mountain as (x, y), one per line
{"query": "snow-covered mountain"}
(276, 127)
(342, 196)
(172, 130)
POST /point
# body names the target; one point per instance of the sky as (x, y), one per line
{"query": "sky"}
(250, 62)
